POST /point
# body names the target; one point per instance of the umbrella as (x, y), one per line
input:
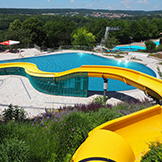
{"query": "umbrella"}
(9, 42)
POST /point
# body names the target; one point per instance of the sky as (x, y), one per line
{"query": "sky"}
(145, 5)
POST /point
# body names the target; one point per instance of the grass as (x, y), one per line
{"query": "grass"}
(159, 72)
(134, 58)
(155, 153)
(118, 56)
(55, 135)
(156, 55)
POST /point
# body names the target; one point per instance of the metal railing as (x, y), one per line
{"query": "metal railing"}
(63, 47)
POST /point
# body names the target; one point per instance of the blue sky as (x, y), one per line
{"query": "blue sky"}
(146, 5)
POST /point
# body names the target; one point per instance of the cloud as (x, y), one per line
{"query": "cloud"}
(126, 1)
(143, 2)
(90, 5)
(109, 7)
(48, 0)
(72, 1)
(128, 7)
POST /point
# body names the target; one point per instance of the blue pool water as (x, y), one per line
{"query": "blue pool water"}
(157, 43)
(129, 48)
(66, 61)
(132, 47)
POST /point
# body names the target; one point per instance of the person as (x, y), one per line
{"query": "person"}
(20, 55)
(11, 50)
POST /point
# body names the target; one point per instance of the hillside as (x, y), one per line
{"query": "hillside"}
(84, 12)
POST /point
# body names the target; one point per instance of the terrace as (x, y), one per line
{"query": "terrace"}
(18, 90)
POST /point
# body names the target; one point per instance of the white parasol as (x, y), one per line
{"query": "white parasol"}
(9, 42)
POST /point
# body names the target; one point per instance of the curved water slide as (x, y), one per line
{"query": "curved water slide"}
(125, 139)
(150, 85)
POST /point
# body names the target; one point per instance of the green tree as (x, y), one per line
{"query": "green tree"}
(145, 28)
(35, 29)
(20, 35)
(97, 28)
(150, 45)
(135, 31)
(84, 38)
(124, 33)
(157, 23)
(15, 25)
(59, 32)
(111, 42)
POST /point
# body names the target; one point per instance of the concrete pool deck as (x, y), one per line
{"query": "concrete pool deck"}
(17, 90)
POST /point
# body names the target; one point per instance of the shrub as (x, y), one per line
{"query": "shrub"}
(73, 130)
(118, 56)
(104, 115)
(97, 103)
(150, 45)
(100, 99)
(13, 112)
(14, 150)
(55, 135)
(159, 47)
(155, 154)
(158, 69)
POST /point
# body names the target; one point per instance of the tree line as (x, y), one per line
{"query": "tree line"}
(57, 31)
(79, 11)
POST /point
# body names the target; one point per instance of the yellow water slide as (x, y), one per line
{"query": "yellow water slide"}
(150, 85)
(125, 139)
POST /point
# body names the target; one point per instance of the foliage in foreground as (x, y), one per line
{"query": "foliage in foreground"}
(14, 113)
(155, 154)
(14, 150)
(55, 136)
(159, 72)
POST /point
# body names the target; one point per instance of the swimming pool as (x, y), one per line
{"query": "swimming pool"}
(132, 48)
(129, 48)
(65, 61)
(157, 43)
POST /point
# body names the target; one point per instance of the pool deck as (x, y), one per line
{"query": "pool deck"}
(17, 90)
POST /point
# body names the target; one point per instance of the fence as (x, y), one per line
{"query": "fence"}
(75, 84)
(63, 47)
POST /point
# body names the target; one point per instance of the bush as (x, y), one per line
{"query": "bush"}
(100, 99)
(150, 45)
(14, 150)
(134, 58)
(118, 56)
(74, 128)
(14, 113)
(56, 135)
(155, 154)
(159, 47)
(103, 115)
(159, 72)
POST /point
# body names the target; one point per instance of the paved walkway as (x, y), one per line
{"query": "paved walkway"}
(17, 90)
